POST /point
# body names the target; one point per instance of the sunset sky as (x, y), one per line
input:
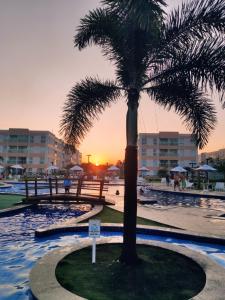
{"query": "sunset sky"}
(39, 65)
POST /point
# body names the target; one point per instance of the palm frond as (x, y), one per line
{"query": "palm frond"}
(122, 42)
(84, 103)
(95, 28)
(200, 62)
(195, 19)
(191, 104)
(145, 13)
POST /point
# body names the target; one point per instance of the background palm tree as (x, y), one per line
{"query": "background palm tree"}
(174, 59)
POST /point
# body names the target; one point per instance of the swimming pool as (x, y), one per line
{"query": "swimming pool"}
(163, 198)
(20, 249)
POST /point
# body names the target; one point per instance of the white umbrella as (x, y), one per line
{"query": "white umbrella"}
(16, 167)
(178, 169)
(113, 168)
(206, 168)
(76, 168)
(143, 169)
(1, 167)
(52, 168)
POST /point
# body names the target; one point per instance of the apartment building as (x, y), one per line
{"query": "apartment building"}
(218, 154)
(165, 150)
(33, 150)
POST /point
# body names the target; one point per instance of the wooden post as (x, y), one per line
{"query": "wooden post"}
(50, 186)
(35, 186)
(26, 187)
(79, 185)
(101, 188)
(56, 185)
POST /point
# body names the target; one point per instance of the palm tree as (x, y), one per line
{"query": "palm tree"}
(175, 60)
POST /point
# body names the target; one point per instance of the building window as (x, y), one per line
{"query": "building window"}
(173, 152)
(12, 149)
(155, 163)
(23, 138)
(163, 163)
(43, 139)
(144, 140)
(22, 160)
(143, 152)
(163, 152)
(31, 139)
(173, 141)
(30, 160)
(12, 160)
(154, 141)
(13, 138)
(173, 163)
(22, 149)
(181, 141)
(163, 141)
(42, 160)
(144, 163)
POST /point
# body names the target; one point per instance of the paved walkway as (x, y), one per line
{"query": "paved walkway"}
(200, 220)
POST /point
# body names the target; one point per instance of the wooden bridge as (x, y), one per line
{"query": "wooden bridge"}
(80, 185)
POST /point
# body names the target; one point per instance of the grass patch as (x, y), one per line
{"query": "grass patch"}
(109, 215)
(162, 275)
(9, 200)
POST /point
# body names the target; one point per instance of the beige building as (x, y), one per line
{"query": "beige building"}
(165, 150)
(32, 149)
(214, 154)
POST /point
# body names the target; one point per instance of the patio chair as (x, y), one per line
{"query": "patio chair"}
(171, 182)
(163, 180)
(189, 184)
(219, 186)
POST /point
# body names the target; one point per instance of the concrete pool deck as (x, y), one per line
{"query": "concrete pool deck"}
(200, 220)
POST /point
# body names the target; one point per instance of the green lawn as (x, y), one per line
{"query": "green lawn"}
(9, 200)
(161, 275)
(109, 215)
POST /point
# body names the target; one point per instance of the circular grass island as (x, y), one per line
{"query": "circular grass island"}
(162, 274)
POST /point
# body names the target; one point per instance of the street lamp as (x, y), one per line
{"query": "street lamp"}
(88, 156)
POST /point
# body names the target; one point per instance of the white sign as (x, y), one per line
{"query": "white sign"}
(94, 232)
(94, 228)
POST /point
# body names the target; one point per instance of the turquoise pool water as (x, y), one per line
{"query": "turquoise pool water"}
(19, 249)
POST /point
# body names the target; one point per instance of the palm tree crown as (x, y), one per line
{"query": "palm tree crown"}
(175, 59)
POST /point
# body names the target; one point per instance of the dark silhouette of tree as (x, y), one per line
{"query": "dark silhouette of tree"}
(175, 59)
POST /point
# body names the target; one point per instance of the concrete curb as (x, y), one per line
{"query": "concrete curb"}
(44, 284)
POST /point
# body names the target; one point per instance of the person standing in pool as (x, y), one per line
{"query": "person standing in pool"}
(67, 184)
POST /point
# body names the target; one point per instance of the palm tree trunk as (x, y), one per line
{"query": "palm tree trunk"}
(129, 254)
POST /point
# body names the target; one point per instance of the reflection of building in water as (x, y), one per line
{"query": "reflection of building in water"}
(166, 150)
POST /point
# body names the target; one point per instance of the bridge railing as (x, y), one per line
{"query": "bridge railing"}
(79, 185)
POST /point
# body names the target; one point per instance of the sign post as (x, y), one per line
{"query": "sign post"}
(94, 232)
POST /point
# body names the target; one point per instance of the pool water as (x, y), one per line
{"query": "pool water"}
(19, 188)
(20, 249)
(164, 198)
